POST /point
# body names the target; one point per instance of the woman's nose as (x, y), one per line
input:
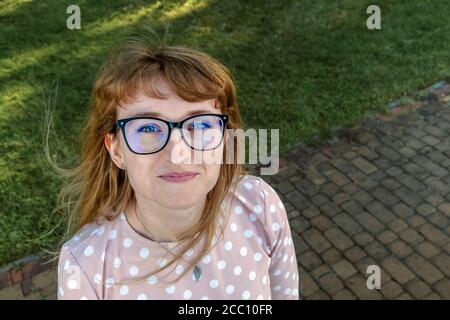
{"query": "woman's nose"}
(177, 148)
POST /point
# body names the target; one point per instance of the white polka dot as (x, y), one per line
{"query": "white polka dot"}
(171, 289)
(258, 256)
(97, 278)
(246, 295)
(277, 272)
(252, 275)
(134, 270)
(179, 269)
(277, 288)
(264, 280)
(122, 216)
(77, 237)
(162, 262)
(248, 185)
(187, 294)
(103, 256)
(237, 270)
(243, 251)
(109, 282)
(144, 253)
(204, 298)
(286, 275)
(233, 227)
(83, 298)
(260, 297)
(272, 208)
(238, 210)
(257, 209)
(242, 199)
(89, 251)
(72, 284)
(214, 283)
(127, 242)
(295, 292)
(123, 290)
(252, 217)
(294, 275)
(142, 296)
(280, 204)
(248, 233)
(221, 265)
(61, 291)
(228, 245)
(117, 262)
(229, 289)
(152, 279)
(206, 259)
(287, 291)
(292, 258)
(275, 226)
(66, 265)
(190, 252)
(285, 257)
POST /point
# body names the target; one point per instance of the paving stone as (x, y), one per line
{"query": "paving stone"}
(427, 249)
(315, 240)
(354, 254)
(371, 224)
(331, 283)
(442, 287)
(307, 285)
(398, 270)
(364, 165)
(442, 262)
(344, 269)
(391, 289)
(418, 289)
(363, 238)
(347, 224)
(376, 250)
(338, 239)
(331, 256)
(400, 249)
(386, 237)
(310, 260)
(344, 294)
(410, 236)
(423, 268)
(433, 234)
(358, 285)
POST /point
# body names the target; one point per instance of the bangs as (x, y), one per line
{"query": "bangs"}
(190, 78)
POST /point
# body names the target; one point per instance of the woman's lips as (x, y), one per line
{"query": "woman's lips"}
(179, 177)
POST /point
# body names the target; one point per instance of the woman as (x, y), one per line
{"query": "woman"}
(150, 223)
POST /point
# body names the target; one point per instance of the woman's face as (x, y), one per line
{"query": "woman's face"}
(145, 171)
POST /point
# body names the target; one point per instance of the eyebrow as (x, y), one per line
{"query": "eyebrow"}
(158, 115)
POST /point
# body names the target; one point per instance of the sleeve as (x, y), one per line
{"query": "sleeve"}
(283, 269)
(73, 284)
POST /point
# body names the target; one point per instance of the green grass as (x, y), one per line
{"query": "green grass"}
(301, 66)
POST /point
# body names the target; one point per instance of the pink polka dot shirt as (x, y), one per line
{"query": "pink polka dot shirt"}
(255, 259)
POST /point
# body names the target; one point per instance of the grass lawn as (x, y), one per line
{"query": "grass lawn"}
(303, 66)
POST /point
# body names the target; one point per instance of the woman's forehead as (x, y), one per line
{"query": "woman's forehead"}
(171, 107)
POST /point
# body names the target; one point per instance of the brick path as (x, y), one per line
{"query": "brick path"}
(375, 195)
(380, 195)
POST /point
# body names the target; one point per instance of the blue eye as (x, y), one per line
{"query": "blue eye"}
(148, 128)
(201, 125)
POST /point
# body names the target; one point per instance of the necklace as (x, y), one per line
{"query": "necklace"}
(197, 273)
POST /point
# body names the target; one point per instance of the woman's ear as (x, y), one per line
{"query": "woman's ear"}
(112, 143)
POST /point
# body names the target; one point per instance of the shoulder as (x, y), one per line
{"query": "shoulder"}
(260, 201)
(87, 247)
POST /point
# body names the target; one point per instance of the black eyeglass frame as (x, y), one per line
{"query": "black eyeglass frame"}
(122, 122)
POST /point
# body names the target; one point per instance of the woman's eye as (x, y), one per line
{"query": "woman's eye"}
(200, 125)
(148, 129)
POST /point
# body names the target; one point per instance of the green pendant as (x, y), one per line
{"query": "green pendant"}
(197, 273)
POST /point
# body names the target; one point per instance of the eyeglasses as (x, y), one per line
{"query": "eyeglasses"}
(147, 135)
